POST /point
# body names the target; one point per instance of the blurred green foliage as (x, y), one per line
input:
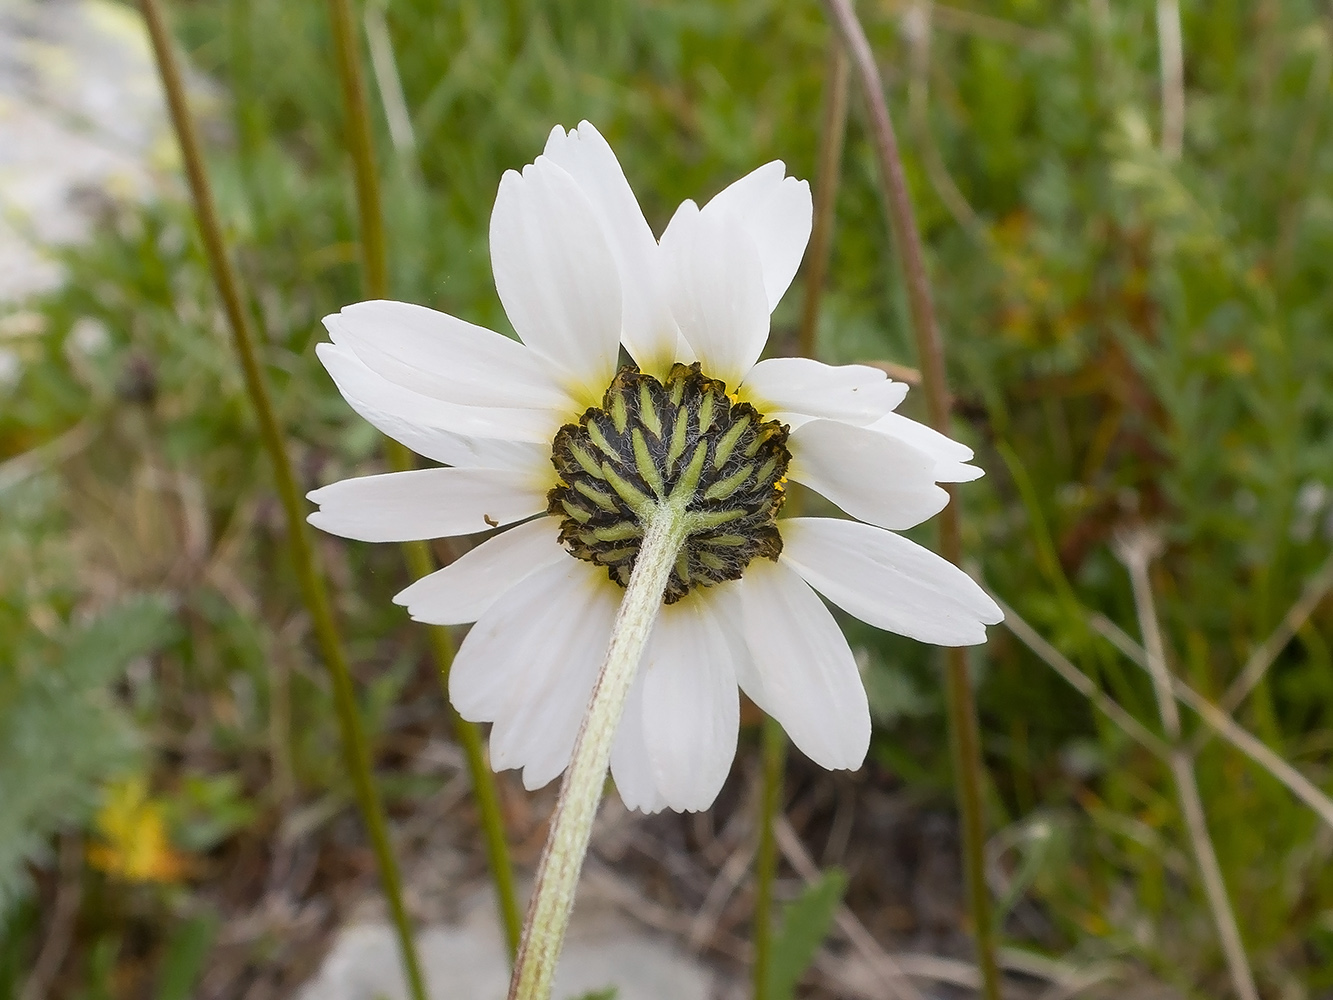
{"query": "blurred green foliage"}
(1132, 341)
(804, 924)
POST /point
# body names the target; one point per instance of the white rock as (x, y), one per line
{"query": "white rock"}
(80, 114)
(467, 962)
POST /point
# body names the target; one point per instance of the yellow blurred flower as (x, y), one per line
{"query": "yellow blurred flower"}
(134, 843)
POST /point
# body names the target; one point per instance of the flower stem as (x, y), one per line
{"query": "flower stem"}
(581, 791)
(774, 743)
(308, 573)
(417, 555)
(964, 728)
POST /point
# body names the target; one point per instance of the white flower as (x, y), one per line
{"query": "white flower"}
(539, 426)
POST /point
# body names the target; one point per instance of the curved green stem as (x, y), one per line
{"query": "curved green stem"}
(964, 728)
(307, 569)
(571, 825)
(374, 262)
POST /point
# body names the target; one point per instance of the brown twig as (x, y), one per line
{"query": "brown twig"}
(1080, 681)
(1136, 551)
(964, 728)
(1262, 658)
(1226, 727)
(314, 589)
(60, 928)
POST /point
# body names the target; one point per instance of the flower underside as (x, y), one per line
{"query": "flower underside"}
(682, 442)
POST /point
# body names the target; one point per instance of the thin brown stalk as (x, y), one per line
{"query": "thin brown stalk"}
(965, 730)
(996, 29)
(64, 915)
(1081, 682)
(420, 562)
(832, 132)
(1226, 727)
(1136, 551)
(305, 563)
(1262, 658)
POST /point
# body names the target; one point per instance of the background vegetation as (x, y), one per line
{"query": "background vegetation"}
(1135, 340)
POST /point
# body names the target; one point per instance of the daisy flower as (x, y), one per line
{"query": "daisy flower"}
(552, 439)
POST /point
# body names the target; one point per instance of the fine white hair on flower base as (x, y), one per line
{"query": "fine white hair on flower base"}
(569, 456)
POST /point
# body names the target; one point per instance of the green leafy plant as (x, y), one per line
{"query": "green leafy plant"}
(62, 733)
(803, 925)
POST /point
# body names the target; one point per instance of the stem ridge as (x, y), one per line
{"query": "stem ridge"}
(581, 790)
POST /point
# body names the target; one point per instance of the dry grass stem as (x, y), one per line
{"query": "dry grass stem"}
(1080, 681)
(1226, 727)
(996, 29)
(23, 466)
(733, 870)
(1172, 59)
(60, 927)
(1136, 550)
(388, 82)
(1262, 658)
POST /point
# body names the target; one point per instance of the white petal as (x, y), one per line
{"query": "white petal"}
(950, 456)
(555, 274)
(871, 476)
(649, 330)
(425, 503)
(462, 591)
(630, 767)
(777, 213)
(888, 581)
(442, 356)
(530, 662)
(690, 703)
(717, 291)
(809, 680)
(446, 432)
(856, 394)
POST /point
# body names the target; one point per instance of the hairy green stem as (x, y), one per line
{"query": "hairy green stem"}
(308, 573)
(571, 826)
(374, 262)
(964, 728)
(774, 746)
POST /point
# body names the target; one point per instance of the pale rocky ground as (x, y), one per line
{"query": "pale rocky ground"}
(467, 961)
(81, 120)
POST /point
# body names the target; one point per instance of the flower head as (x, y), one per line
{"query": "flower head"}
(548, 434)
